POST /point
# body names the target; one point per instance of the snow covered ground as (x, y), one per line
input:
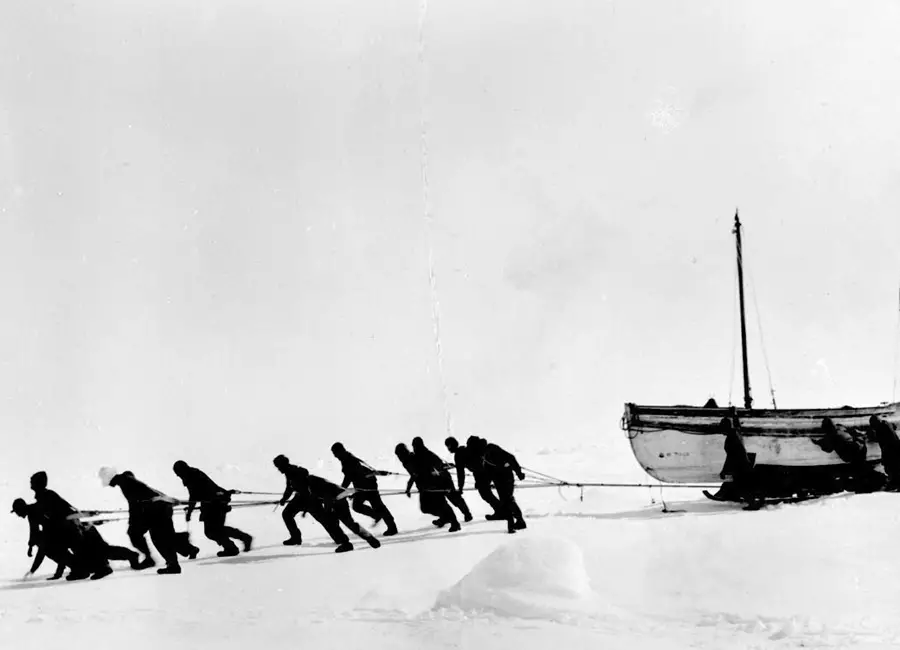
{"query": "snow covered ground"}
(613, 571)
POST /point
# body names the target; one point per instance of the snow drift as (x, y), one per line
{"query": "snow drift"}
(530, 577)
(613, 571)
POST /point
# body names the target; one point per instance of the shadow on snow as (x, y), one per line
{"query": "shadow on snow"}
(672, 509)
(320, 546)
(327, 547)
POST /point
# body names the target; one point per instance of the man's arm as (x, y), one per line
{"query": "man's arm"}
(192, 503)
(347, 478)
(460, 469)
(38, 560)
(506, 459)
(436, 461)
(514, 464)
(288, 490)
(215, 490)
(34, 533)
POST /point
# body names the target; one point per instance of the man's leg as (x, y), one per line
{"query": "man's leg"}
(291, 510)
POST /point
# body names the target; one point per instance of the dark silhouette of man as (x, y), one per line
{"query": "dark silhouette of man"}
(296, 497)
(740, 466)
(886, 434)
(319, 497)
(58, 525)
(432, 494)
(465, 460)
(502, 468)
(848, 445)
(151, 511)
(214, 508)
(47, 547)
(367, 500)
(436, 466)
(92, 553)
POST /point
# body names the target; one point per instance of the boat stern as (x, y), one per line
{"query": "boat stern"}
(625, 422)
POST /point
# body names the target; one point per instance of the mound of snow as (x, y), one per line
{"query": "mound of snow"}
(530, 577)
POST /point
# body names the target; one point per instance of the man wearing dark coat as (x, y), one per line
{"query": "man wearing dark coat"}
(319, 497)
(464, 460)
(296, 498)
(501, 467)
(47, 547)
(886, 434)
(367, 500)
(151, 511)
(739, 465)
(436, 466)
(214, 508)
(850, 446)
(432, 491)
(59, 526)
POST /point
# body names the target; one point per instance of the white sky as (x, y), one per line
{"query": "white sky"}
(213, 231)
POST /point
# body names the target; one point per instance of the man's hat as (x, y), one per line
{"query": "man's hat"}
(106, 475)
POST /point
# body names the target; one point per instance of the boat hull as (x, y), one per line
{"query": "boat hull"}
(678, 444)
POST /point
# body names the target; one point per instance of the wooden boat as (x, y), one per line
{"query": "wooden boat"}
(684, 444)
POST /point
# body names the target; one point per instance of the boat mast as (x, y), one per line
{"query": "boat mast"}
(740, 269)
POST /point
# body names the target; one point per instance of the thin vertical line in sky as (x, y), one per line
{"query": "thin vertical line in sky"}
(429, 218)
(896, 350)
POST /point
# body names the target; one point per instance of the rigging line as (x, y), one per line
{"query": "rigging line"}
(428, 216)
(763, 345)
(541, 476)
(762, 342)
(533, 486)
(896, 353)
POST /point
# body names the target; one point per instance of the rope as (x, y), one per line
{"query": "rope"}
(178, 505)
(663, 498)
(896, 355)
(762, 343)
(268, 494)
(547, 484)
(639, 485)
(250, 504)
(533, 480)
(540, 475)
(734, 330)
(100, 517)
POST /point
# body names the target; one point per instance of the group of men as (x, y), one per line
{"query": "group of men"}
(492, 468)
(753, 483)
(57, 533)
(69, 536)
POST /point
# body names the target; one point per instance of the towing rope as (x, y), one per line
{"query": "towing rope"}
(533, 480)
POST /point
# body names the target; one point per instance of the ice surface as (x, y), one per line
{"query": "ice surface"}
(614, 571)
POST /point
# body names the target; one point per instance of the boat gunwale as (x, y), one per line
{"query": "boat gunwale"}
(632, 409)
